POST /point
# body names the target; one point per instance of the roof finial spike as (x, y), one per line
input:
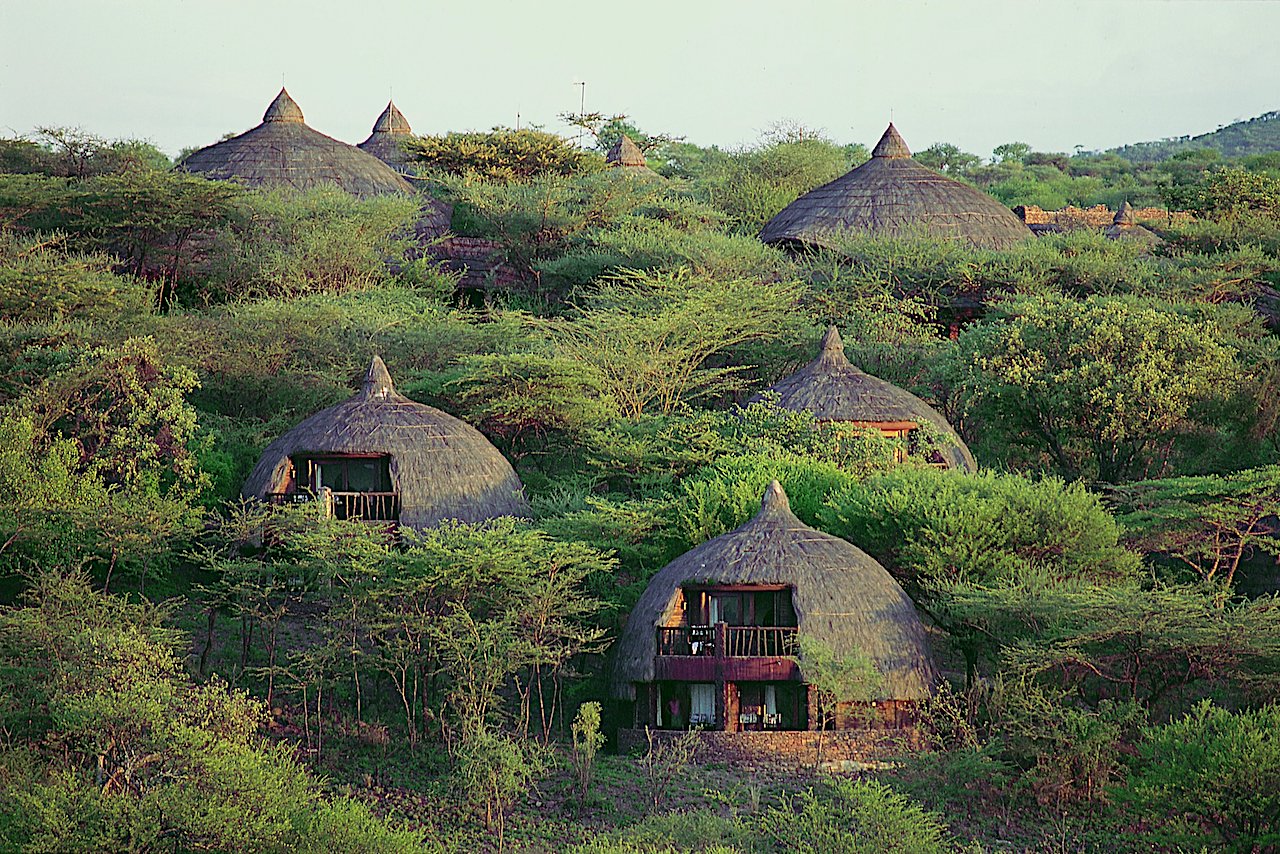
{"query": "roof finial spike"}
(891, 146)
(774, 499)
(377, 382)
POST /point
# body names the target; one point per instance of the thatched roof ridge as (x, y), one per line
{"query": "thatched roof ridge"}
(284, 109)
(442, 467)
(284, 151)
(389, 131)
(891, 145)
(893, 196)
(625, 153)
(833, 389)
(392, 121)
(1125, 215)
(842, 597)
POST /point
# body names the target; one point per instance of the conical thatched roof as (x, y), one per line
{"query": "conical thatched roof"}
(1125, 227)
(842, 597)
(893, 196)
(834, 390)
(625, 153)
(284, 151)
(442, 467)
(384, 142)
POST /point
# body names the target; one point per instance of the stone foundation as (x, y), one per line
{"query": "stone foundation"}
(841, 749)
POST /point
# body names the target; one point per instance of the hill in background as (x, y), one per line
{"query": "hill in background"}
(1260, 135)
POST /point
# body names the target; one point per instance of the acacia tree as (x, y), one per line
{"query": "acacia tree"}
(1210, 523)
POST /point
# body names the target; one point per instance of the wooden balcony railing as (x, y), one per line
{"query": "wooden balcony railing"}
(728, 641)
(369, 506)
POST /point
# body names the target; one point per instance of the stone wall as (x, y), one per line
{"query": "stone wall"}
(1098, 216)
(480, 262)
(840, 748)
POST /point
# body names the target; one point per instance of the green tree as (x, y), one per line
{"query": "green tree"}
(1104, 387)
(834, 680)
(1209, 523)
(501, 154)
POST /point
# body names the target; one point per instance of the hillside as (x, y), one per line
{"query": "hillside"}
(1259, 135)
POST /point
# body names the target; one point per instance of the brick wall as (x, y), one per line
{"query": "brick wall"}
(839, 747)
(480, 262)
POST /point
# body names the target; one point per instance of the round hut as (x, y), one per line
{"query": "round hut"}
(1125, 227)
(380, 456)
(893, 196)
(711, 641)
(834, 390)
(389, 131)
(284, 152)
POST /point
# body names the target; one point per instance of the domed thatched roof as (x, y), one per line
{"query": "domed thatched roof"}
(841, 595)
(442, 467)
(284, 152)
(893, 196)
(834, 390)
(384, 142)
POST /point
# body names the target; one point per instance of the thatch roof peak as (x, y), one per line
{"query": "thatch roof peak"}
(1125, 216)
(625, 153)
(392, 121)
(891, 146)
(775, 500)
(831, 351)
(377, 382)
(284, 109)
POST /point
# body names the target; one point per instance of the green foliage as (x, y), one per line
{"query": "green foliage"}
(1212, 770)
(126, 411)
(1070, 752)
(852, 817)
(284, 245)
(937, 528)
(42, 281)
(122, 751)
(149, 220)
(501, 154)
(751, 186)
(1102, 387)
(834, 680)
(587, 741)
(1209, 523)
(652, 336)
(1123, 642)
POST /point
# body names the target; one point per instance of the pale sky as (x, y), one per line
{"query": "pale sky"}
(977, 73)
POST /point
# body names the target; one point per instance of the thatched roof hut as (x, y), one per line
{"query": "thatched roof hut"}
(893, 196)
(841, 596)
(625, 153)
(284, 152)
(1125, 227)
(626, 158)
(389, 131)
(441, 467)
(834, 390)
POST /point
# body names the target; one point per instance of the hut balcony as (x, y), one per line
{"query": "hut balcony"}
(723, 652)
(364, 506)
